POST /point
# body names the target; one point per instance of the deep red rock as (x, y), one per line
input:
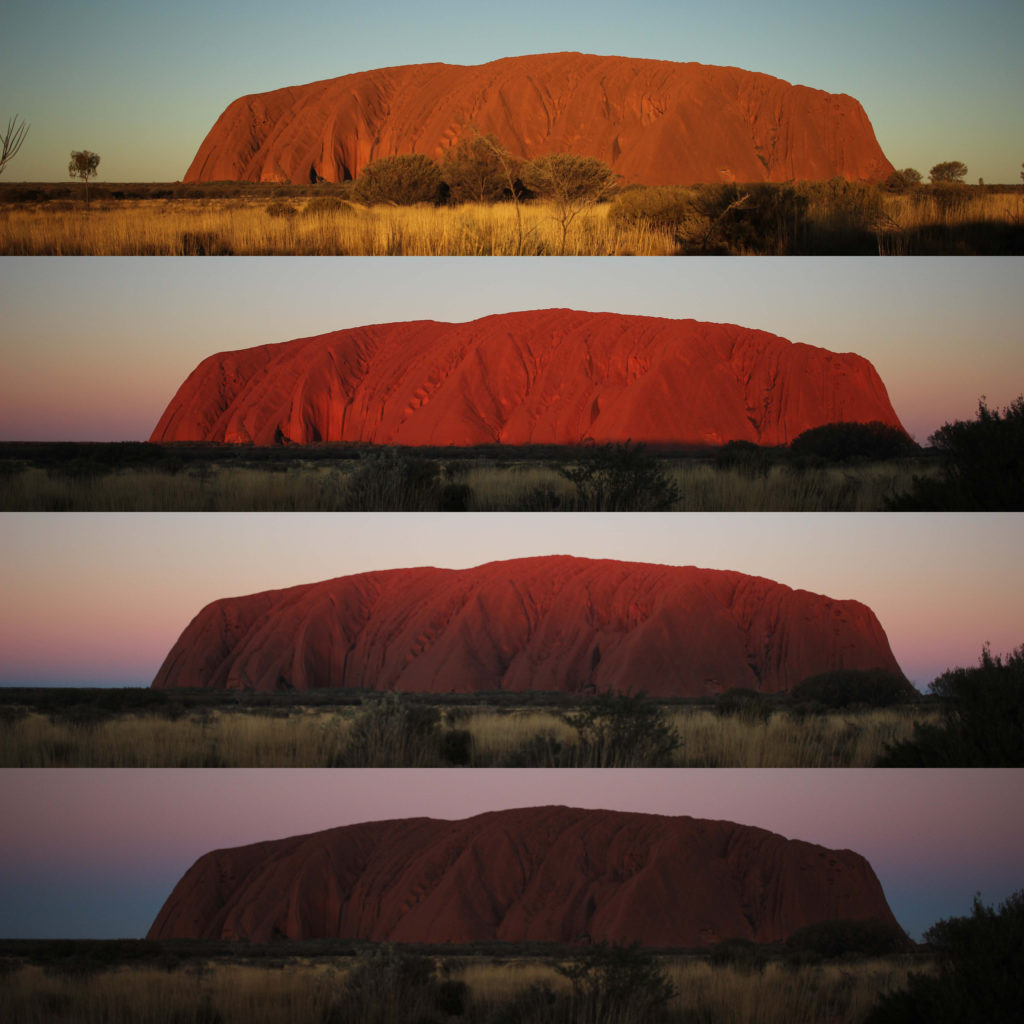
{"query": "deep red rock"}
(552, 623)
(654, 122)
(553, 874)
(552, 376)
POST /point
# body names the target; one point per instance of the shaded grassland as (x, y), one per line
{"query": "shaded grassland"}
(182, 728)
(147, 477)
(331, 982)
(812, 218)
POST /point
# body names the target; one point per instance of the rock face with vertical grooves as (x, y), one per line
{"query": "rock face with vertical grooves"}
(654, 122)
(550, 874)
(552, 623)
(553, 376)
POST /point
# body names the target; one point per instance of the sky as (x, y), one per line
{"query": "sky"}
(94, 349)
(141, 84)
(99, 599)
(94, 853)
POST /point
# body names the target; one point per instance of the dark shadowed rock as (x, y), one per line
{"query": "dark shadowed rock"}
(550, 874)
(553, 623)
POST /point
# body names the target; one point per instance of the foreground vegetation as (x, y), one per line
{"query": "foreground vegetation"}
(325, 983)
(146, 728)
(333, 477)
(815, 218)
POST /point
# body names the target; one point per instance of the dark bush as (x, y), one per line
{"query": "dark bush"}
(903, 181)
(399, 181)
(981, 963)
(842, 442)
(390, 732)
(612, 984)
(741, 702)
(391, 481)
(621, 731)
(457, 747)
(620, 478)
(982, 465)
(742, 953)
(325, 204)
(758, 219)
(659, 209)
(387, 987)
(983, 719)
(745, 457)
(475, 170)
(831, 939)
(280, 209)
(845, 686)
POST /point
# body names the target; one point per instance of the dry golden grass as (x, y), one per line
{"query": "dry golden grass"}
(779, 994)
(307, 991)
(313, 738)
(836, 739)
(182, 227)
(314, 487)
(244, 227)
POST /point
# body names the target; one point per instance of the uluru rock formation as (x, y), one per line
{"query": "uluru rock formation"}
(552, 623)
(654, 122)
(553, 874)
(553, 376)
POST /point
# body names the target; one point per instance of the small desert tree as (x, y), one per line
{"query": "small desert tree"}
(399, 181)
(904, 181)
(572, 183)
(83, 165)
(11, 140)
(473, 170)
(950, 171)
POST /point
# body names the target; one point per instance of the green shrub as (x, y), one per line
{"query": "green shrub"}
(982, 465)
(845, 686)
(744, 703)
(981, 963)
(831, 939)
(982, 719)
(842, 442)
(746, 219)
(399, 181)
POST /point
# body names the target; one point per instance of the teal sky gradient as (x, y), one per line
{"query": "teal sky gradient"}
(141, 84)
(94, 349)
(94, 853)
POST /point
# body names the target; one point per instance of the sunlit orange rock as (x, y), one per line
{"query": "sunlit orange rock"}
(554, 874)
(654, 122)
(554, 376)
(553, 623)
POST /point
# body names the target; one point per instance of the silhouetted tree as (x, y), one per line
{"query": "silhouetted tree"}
(11, 140)
(951, 170)
(83, 165)
(572, 183)
(980, 966)
(982, 465)
(903, 181)
(982, 719)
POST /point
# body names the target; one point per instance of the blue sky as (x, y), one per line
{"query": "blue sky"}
(141, 84)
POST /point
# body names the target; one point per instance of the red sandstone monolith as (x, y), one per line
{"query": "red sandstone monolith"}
(654, 122)
(541, 874)
(554, 376)
(552, 623)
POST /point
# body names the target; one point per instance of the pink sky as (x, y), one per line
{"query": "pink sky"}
(112, 843)
(98, 599)
(95, 349)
